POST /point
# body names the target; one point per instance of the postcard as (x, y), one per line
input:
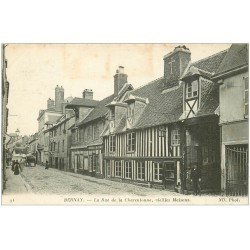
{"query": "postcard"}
(125, 124)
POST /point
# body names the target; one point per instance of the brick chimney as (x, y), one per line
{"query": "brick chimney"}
(175, 63)
(59, 98)
(87, 94)
(50, 103)
(120, 78)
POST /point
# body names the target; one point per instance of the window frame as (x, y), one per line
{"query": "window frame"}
(118, 168)
(190, 89)
(128, 166)
(175, 141)
(131, 142)
(131, 110)
(108, 168)
(157, 166)
(140, 175)
(112, 143)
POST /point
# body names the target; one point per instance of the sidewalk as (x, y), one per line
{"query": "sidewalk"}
(15, 184)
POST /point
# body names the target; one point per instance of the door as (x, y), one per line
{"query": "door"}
(169, 175)
(56, 162)
(237, 170)
(76, 163)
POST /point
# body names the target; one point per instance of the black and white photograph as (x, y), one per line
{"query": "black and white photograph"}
(125, 124)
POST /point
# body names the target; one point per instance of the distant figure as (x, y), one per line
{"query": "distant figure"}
(13, 165)
(22, 164)
(196, 179)
(16, 168)
(47, 165)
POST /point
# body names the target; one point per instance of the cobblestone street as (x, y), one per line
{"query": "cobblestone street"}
(57, 182)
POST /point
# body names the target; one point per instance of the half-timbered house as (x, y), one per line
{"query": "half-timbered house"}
(159, 131)
(87, 143)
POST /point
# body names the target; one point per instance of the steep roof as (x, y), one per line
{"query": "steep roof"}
(99, 111)
(163, 107)
(211, 63)
(236, 57)
(52, 119)
(166, 106)
(82, 102)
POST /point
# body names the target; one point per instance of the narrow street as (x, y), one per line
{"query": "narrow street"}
(57, 182)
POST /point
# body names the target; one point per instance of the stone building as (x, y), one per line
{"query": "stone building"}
(32, 142)
(232, 77)
(46, 118)
(58, 141)
(79, 147)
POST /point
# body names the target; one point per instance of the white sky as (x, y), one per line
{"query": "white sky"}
(35, 69)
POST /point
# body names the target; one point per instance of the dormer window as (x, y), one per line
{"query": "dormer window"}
(112, 113)
(131, 110)
(191, 100)
(192, 89)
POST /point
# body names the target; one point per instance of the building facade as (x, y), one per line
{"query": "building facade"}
(58, 141)
(83, 139)
(5, 96)
(87, 149)
(232, 77)
(159, 131)
(46, 118)
(32, 142)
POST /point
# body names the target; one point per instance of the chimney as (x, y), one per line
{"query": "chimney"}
(120, 78)
(175, 63)
(59, 98)
(87, 94)
(50, 103)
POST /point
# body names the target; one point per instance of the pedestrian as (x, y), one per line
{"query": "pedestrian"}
(196, 179)
(47, 165)
(22, 163)
(164, 179)
(12, 165)
(16, 168)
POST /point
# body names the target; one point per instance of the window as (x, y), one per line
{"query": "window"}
(246, 96)
(108, 168)
(93, 132)
(112, 143)
(131, 139)
(208, 154)
(175, 137)
(112, 113)
(169, 169)
(94, 161)
(192, 89)
(118, 169)
(157, 168)
(96, 132)
(63, 146)
(85, 135)
(77, 135)
(141, 171)
(81, 134)
(131, 110)
(205, 154)
(58, 148)
(128, 169)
